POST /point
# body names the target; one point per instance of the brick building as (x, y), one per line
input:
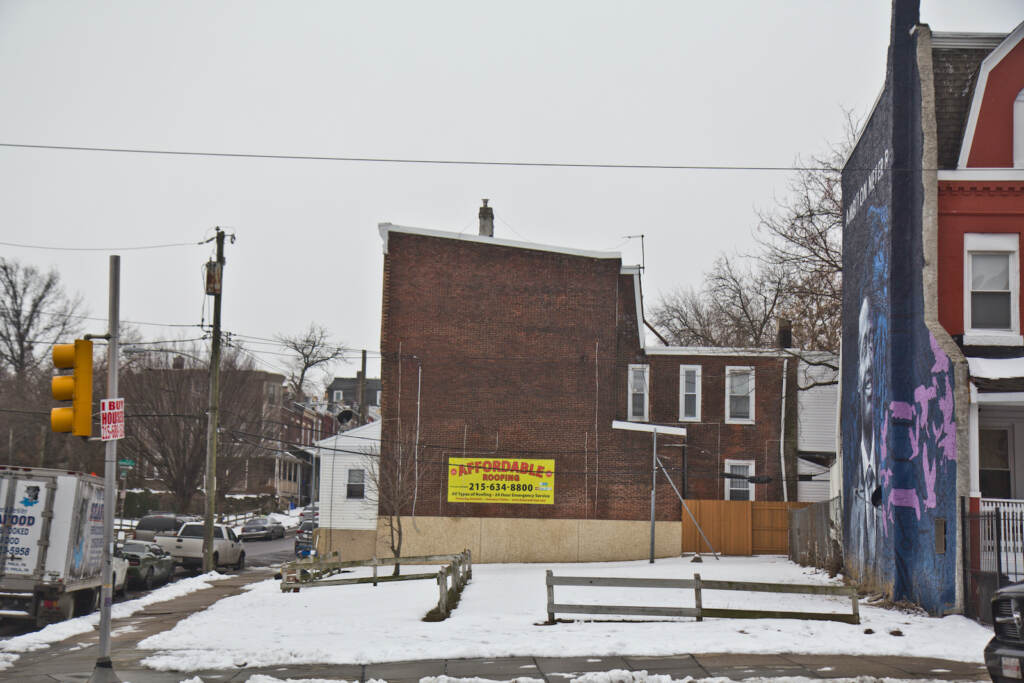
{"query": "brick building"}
(508, 355)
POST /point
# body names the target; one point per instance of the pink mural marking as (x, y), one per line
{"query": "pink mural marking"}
(907, 498)
(901, 410)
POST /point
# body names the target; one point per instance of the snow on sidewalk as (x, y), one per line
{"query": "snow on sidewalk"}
(504, 605)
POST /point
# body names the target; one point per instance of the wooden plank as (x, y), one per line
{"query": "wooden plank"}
(625, 609)
(365, 579)
(619, 582)
(711, 584)
(766, 614)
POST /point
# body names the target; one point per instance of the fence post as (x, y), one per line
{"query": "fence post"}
(697, 598)
(856, 608)
(999, 549)
(469, 563)
(375, 571)
(551, 597)
(442, 594)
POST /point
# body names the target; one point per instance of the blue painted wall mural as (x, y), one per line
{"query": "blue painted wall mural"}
(898, 410)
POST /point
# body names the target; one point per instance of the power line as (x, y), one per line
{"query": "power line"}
(436, 162)
(49, 248)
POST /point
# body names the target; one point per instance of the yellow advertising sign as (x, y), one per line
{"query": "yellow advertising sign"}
(501, 480)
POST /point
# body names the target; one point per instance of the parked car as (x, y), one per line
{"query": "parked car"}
(1005, 652)
(186, 548)
(304, 539)
(166, 523)
(262, 527)
(310, 513)
(148, 564)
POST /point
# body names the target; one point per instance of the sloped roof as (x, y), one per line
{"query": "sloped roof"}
(955, 73)
(363, 440)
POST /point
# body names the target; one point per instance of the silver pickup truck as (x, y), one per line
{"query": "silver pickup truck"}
(186, 547)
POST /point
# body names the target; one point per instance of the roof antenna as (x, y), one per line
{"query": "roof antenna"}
(643, 257)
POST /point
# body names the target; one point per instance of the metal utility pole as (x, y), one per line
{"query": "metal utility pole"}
(654, 482)
(214, 282)
(362, 391)
(104, 670)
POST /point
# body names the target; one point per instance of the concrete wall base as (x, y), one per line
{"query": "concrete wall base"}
(499, 539)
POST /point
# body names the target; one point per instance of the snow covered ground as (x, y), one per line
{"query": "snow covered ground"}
(503, 608)
(55, 633)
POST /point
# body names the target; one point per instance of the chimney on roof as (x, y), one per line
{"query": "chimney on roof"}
(784, 337)
(486, 220)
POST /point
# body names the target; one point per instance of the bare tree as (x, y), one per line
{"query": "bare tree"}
(313, 349)
(35, 313)
(168, 399)
(393, 477)
(736, 306)
(795, 275)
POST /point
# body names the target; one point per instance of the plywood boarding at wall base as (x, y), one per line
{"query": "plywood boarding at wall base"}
(726, 523)
(737, 527)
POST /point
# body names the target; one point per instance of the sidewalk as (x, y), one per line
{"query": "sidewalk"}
(74, 658)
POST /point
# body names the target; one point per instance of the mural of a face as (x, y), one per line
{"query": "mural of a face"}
(868, 491)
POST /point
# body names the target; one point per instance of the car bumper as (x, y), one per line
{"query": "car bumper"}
(256, 534)
(1005, 661)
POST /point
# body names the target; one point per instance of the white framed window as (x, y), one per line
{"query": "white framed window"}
(737, 485)
(339, 395)
(639, 392)
(689, 393)
(992, 289)
(356, 487)
(739, 394)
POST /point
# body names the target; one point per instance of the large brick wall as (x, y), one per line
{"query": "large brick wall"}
(514, 352)
(711, 441)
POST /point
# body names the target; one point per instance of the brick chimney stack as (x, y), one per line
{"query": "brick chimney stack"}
(784, 337)
(486, 220)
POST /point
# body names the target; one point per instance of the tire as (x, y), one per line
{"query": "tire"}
(241, 561)
(148, 581)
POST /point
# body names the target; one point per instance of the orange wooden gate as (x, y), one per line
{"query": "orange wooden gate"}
(738, 527)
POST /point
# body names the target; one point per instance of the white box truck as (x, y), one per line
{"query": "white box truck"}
(51, 543)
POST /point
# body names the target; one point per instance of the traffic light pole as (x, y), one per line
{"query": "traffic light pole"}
(213, 415)
(104, 670)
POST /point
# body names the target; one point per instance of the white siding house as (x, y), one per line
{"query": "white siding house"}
(817, 424)
(348, 501)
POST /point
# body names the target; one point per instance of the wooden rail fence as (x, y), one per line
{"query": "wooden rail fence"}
(699, 611)
(315, 571)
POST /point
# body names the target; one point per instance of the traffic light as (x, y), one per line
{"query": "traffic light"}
(76, 387)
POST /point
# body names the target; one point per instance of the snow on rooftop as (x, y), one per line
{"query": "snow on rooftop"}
(996, 368)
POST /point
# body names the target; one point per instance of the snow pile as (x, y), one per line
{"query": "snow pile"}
(503, 608)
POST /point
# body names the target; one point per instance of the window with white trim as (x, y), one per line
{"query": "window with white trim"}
(639, 391)
(737, 484)
(356, 484)
(689, 393)
(739, 394)
(339, 395)
(992, 289)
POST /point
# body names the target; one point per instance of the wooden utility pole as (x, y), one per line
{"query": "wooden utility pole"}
(214, 282)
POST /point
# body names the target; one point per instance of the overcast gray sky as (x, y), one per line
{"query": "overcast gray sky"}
(752, 83)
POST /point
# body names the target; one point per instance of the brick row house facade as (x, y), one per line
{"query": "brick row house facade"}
(933, 355)
(499, 357)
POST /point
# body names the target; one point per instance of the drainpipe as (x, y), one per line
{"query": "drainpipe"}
(782, 431)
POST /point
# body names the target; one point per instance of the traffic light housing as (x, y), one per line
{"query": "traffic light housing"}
(76, 387)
